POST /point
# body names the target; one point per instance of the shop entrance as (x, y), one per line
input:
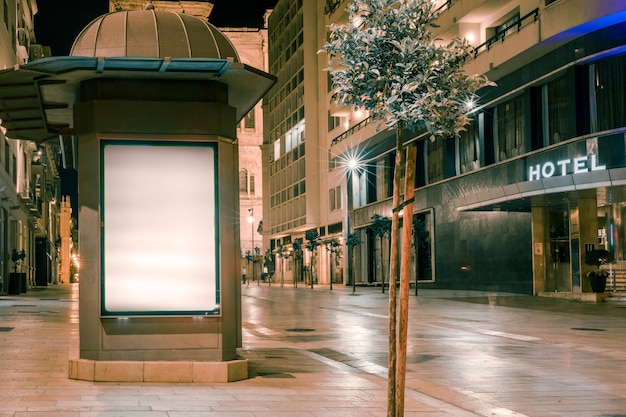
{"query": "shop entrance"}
(559, 266)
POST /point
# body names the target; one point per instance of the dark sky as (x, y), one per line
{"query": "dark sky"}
(59, 21)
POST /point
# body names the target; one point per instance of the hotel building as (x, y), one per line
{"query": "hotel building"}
(512, 204)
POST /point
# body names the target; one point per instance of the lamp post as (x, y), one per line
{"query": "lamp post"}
(251, 221)
(352, 164)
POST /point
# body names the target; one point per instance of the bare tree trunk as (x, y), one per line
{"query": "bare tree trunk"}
(382, 265)
(405, 276)
(393, 273)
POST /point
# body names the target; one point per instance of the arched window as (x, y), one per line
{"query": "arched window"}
(246, 182)
(243, 181)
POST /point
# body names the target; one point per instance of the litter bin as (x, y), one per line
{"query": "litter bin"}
(15, 284)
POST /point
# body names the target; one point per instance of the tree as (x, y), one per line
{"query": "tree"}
(283, 254)
(297, 256)
(421, 246)
(386, 60)
(249, 258)
(312, 242)
(334, 247)
(381, 228)
(352, 240)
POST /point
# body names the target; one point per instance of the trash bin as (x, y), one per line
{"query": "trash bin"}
(15, 284)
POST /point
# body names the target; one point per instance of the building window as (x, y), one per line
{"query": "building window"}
(435, 160)
(511, 128)
(384, 177)
(249, 120)
(423, 246)
(508, 26)
(555, 99)
(333, 122)
(610, 93)
(243, 181)
(334, 198)
(246, 182)
(469, 155)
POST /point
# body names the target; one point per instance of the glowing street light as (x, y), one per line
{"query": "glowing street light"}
(353, 164)
(251, 221)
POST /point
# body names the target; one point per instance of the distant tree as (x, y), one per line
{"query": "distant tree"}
(312, 243)
(381, 228)
(298, 260)
(334, 247)
(283, 254)
(352, 240)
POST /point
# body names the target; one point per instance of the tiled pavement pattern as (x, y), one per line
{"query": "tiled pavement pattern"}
(322, 353)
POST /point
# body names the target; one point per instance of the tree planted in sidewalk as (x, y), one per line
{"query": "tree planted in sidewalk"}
(381, 228)
(312, 243)
(352, 240)
(386, 60)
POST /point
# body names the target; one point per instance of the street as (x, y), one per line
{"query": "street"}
(322, 353)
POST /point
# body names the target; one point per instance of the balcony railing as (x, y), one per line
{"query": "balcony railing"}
(30, 199)
(351, 131)
(485, 46)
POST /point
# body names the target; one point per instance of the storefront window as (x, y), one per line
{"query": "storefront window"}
(423, 246)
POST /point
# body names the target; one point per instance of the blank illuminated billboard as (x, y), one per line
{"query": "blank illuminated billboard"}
(159, 228)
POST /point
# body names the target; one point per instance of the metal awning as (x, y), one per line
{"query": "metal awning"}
(37, 99)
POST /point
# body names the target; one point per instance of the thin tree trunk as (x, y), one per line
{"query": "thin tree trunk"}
(405, 276)
(382, 264)
(417, 261)
(393, 273)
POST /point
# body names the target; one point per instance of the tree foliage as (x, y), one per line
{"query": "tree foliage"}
(381, 226)
(387, 60)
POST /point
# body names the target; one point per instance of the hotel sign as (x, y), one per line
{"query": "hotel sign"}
(564, 167)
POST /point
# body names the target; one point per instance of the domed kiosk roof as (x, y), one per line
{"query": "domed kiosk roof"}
(152, 34)
(38, 98)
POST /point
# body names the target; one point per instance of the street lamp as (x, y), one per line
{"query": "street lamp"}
(352, 165)
(251, 221)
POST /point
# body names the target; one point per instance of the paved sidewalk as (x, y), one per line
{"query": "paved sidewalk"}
(322, 353)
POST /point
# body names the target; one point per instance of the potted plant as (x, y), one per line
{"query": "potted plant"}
(597, 278)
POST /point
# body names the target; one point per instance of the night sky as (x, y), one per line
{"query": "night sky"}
(58, 22)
